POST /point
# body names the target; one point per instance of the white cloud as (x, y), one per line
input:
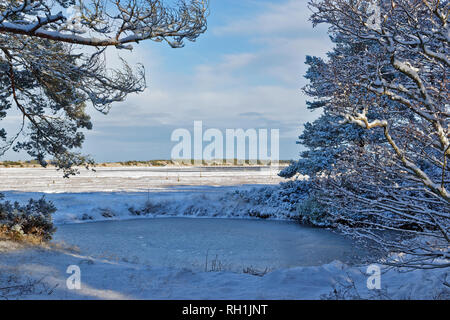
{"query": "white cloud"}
(288, 17)
(234, 61)
(258, 88)
(224, 71)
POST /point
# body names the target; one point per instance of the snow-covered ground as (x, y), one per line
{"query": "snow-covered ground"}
(42, 274)
(110, 193)
(132, 179)
(165, 258)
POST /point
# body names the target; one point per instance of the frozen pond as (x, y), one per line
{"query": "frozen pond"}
(227, 244)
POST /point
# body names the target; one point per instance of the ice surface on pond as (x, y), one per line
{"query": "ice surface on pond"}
(227, 244)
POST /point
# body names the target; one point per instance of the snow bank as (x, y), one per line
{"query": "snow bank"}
(187, 201)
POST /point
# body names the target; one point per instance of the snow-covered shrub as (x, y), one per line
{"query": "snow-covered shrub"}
(148, 208)
(311, 211)
(107, 213)
(86, 216)
(32, 220)
(264, 202)
(272, 201)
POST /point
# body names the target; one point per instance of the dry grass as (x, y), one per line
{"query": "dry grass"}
(61, 246)
(14, 285)
(7, 245)
(8, 234)
(11, 242)
(256, 272)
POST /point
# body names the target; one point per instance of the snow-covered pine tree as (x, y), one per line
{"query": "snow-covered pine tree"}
(326, 139)
(393, 83)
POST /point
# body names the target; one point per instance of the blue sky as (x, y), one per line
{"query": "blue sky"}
(245, 72)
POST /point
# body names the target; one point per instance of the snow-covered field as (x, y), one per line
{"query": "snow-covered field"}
(133, 179)
(110, 193)
(166, 258)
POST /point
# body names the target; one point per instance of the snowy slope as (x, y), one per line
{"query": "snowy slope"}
(186, 201)
(102, 279)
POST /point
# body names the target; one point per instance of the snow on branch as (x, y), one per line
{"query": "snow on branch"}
(387, 77)
(405, 60)
(102, 23)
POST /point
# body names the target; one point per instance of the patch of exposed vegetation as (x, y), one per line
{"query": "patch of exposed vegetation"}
(31, 222)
